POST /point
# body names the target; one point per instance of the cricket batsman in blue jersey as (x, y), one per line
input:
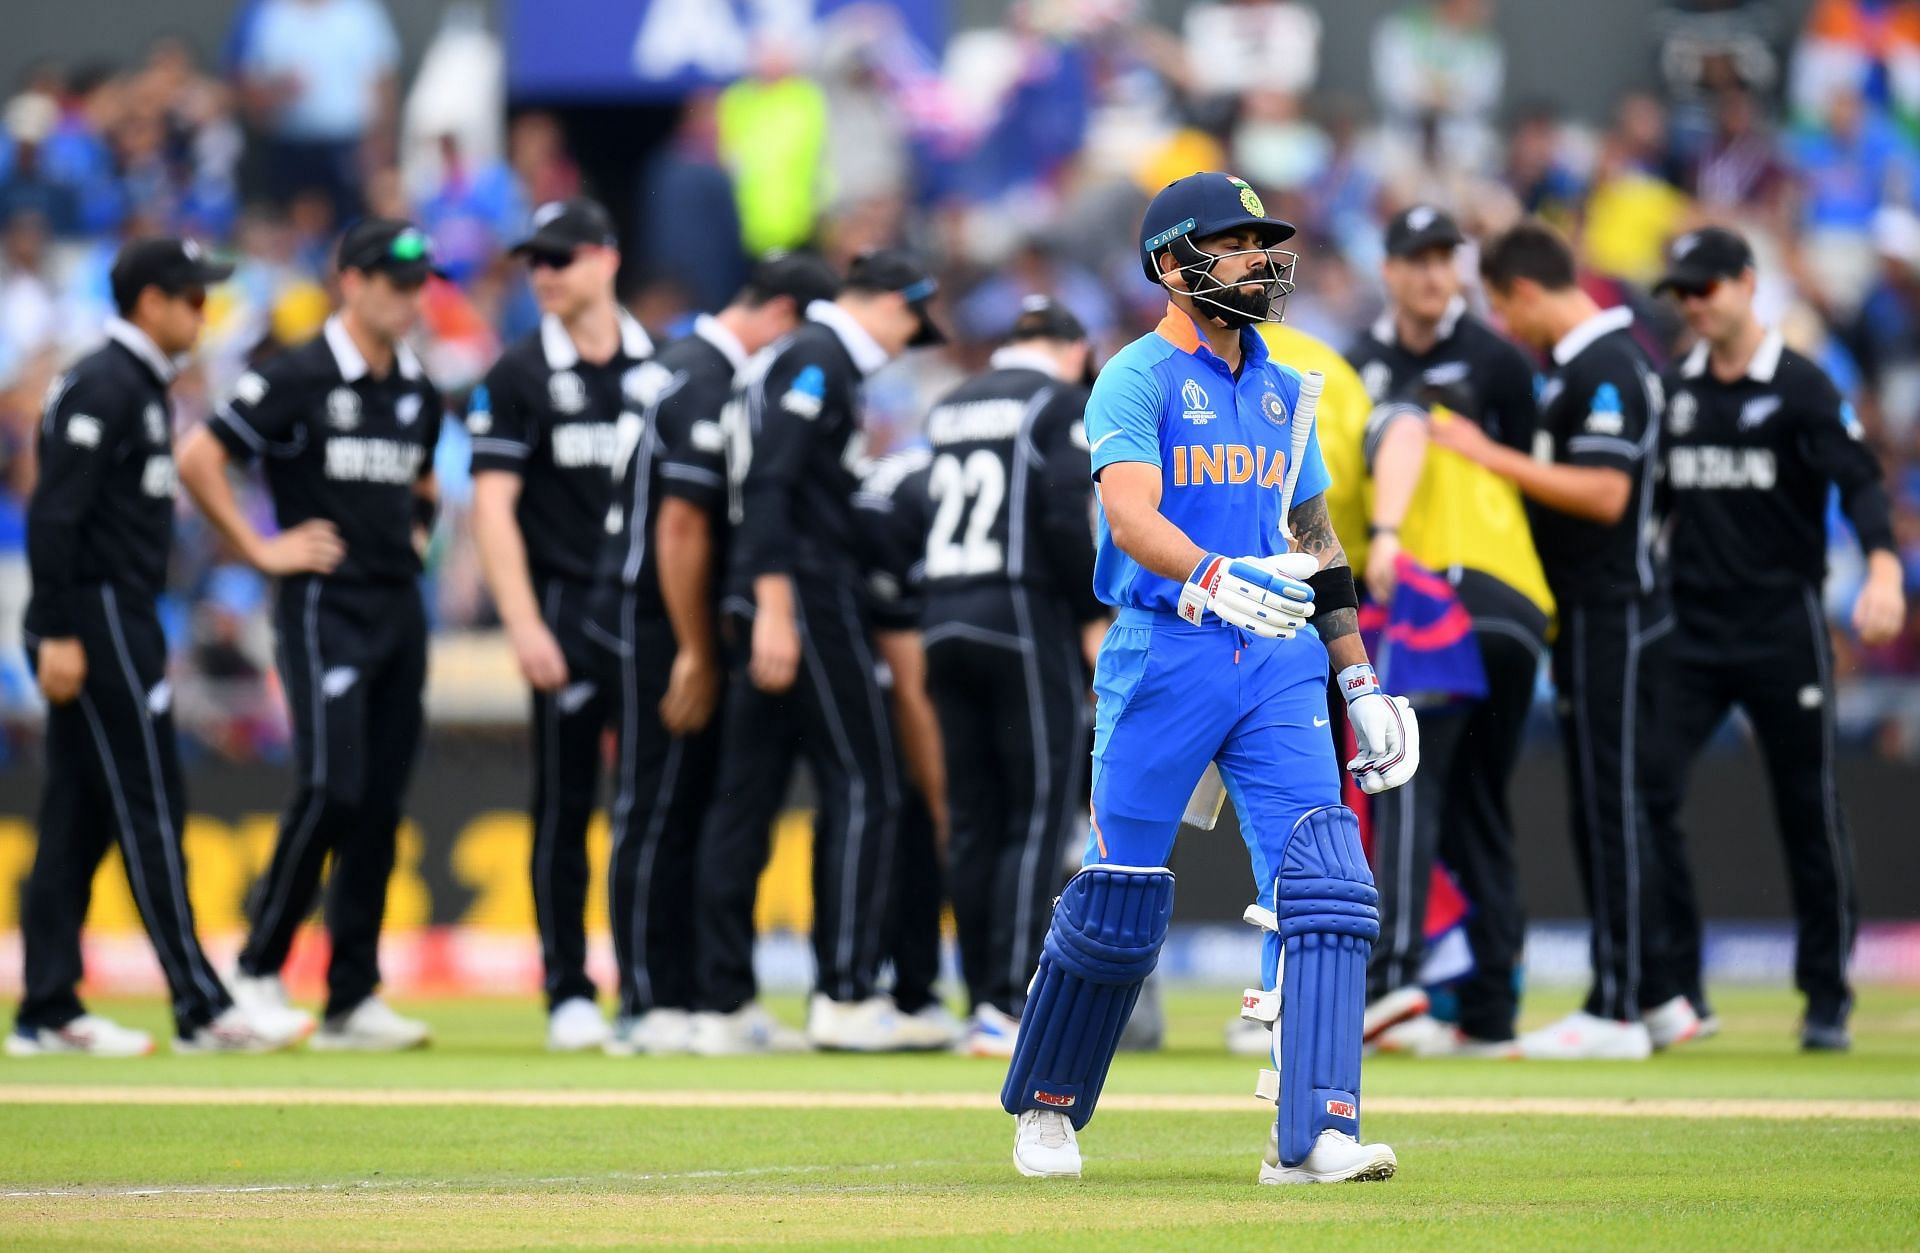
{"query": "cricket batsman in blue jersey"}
(1219, 653)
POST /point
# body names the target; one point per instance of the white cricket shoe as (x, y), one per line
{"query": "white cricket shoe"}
(935, 1022)
(575, 1025)
(264, 997)
(657, 1031)
(89, 1035)
(1044, 1146)
(1581, 1037)
(1453, 1042)
(1419, 1036)
(1248, 1038)
(874, 1025)
(1336, 1157)
(1392, 1009)
(1672, 1022)
(749, 1029)
(370, 1027)
(991, 1032)
(239, 1030)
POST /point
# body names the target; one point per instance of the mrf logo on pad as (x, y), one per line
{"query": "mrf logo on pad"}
(1055, 1099)
(1342, 1109)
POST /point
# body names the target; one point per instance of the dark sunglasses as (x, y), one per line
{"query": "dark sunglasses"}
(550, 259)
(1697, 291)
(195, 297)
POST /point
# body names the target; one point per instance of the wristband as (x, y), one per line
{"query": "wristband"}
(1375, 530)
(1333, 589)
(1358, 681)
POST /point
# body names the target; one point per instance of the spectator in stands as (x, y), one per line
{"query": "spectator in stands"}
(471, 212)
(1738, 168)
(1438, 70)
(1886, 335)
(27, 186)
(685, 182)
(1869, 48)
(1708, 46)
(1537, 170)
(29, 296)
(772, 133)
(319, 75)
(1846, 168)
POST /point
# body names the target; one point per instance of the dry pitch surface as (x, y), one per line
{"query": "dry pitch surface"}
(485, 1141)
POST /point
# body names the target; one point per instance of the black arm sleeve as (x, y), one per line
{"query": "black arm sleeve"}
(1512, 406)
(80, 436)
(1066, 495)
(692, 446)
(786, 413)
(1829, 438)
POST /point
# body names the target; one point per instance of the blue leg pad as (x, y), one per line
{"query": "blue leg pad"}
(1108, 926)
(1329, 917)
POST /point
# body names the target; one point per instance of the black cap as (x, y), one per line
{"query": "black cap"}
(564, 225)
(799, 276)
(172, 265)
(891, 270)
(1420, 228)
(1043, 317)
(400, 250)
(1699, 259)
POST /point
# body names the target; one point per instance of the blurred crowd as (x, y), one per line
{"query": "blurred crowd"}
(1018, 160)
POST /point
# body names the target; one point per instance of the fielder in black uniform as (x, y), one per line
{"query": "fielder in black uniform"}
(1589, 488)
(1006, 557)
(99, 529)
(1756, 436)
(652, 624)
(544, 425)
(810, 684)
(1428, 352)
(345, 427)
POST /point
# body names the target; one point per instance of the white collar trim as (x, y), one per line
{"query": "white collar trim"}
(1387, 332)
(141, 345)
(715, 332)
(352, 365)
(1577, 340)
(1761, 368)
(1016, 357)
(561, 353)
(865, 350)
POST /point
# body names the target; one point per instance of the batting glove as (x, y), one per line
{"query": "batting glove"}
(1256, 594)
(1384, 730)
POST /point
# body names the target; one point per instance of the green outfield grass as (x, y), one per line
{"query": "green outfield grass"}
(289, 1173)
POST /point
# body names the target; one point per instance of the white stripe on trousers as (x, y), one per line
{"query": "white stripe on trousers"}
(1602, 917)
(318, 698)
(878, 901)
(1629, 820)
(1042, 787)
(662, 801)
(170, 839)
(1829, 791)
(546, 830)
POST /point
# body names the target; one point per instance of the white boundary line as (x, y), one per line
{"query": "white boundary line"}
(1201, 1103)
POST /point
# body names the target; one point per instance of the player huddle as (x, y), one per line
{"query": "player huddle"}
(689, 546)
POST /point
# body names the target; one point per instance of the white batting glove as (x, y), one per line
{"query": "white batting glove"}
(1256, 594)
(1384, 729)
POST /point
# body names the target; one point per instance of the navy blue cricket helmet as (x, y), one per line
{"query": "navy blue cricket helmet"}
(1207, 204)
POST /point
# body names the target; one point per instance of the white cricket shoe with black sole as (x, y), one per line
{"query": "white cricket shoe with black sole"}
(1336, 1157)
(1581, 1037)
(372, 1026)
(239, 1030)
(748, 1030)
(89, 1035)
(1044, 1146)
(265, 998)
(575, 1025)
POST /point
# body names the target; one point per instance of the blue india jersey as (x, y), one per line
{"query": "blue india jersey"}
(1221, 445)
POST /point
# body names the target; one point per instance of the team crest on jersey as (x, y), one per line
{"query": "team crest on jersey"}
(156, 420)
(1194, 397)
(644, 384)
(1546, 391)
(1275, 409)
(407, 409)
(343, 409)
(567, 392)
(1756, 411)
(1682, 413)
(480, 411)
(1605, 416)
(250, 388)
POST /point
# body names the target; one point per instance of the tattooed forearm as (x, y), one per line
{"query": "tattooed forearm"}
(1313, 532)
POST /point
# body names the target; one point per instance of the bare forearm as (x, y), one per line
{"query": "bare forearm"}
(919, 726)
(1396, 470)
(1156, 543)
(503, 558)
(683, 548)
(202, 465)
(1339, 629)
(1596, 493)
